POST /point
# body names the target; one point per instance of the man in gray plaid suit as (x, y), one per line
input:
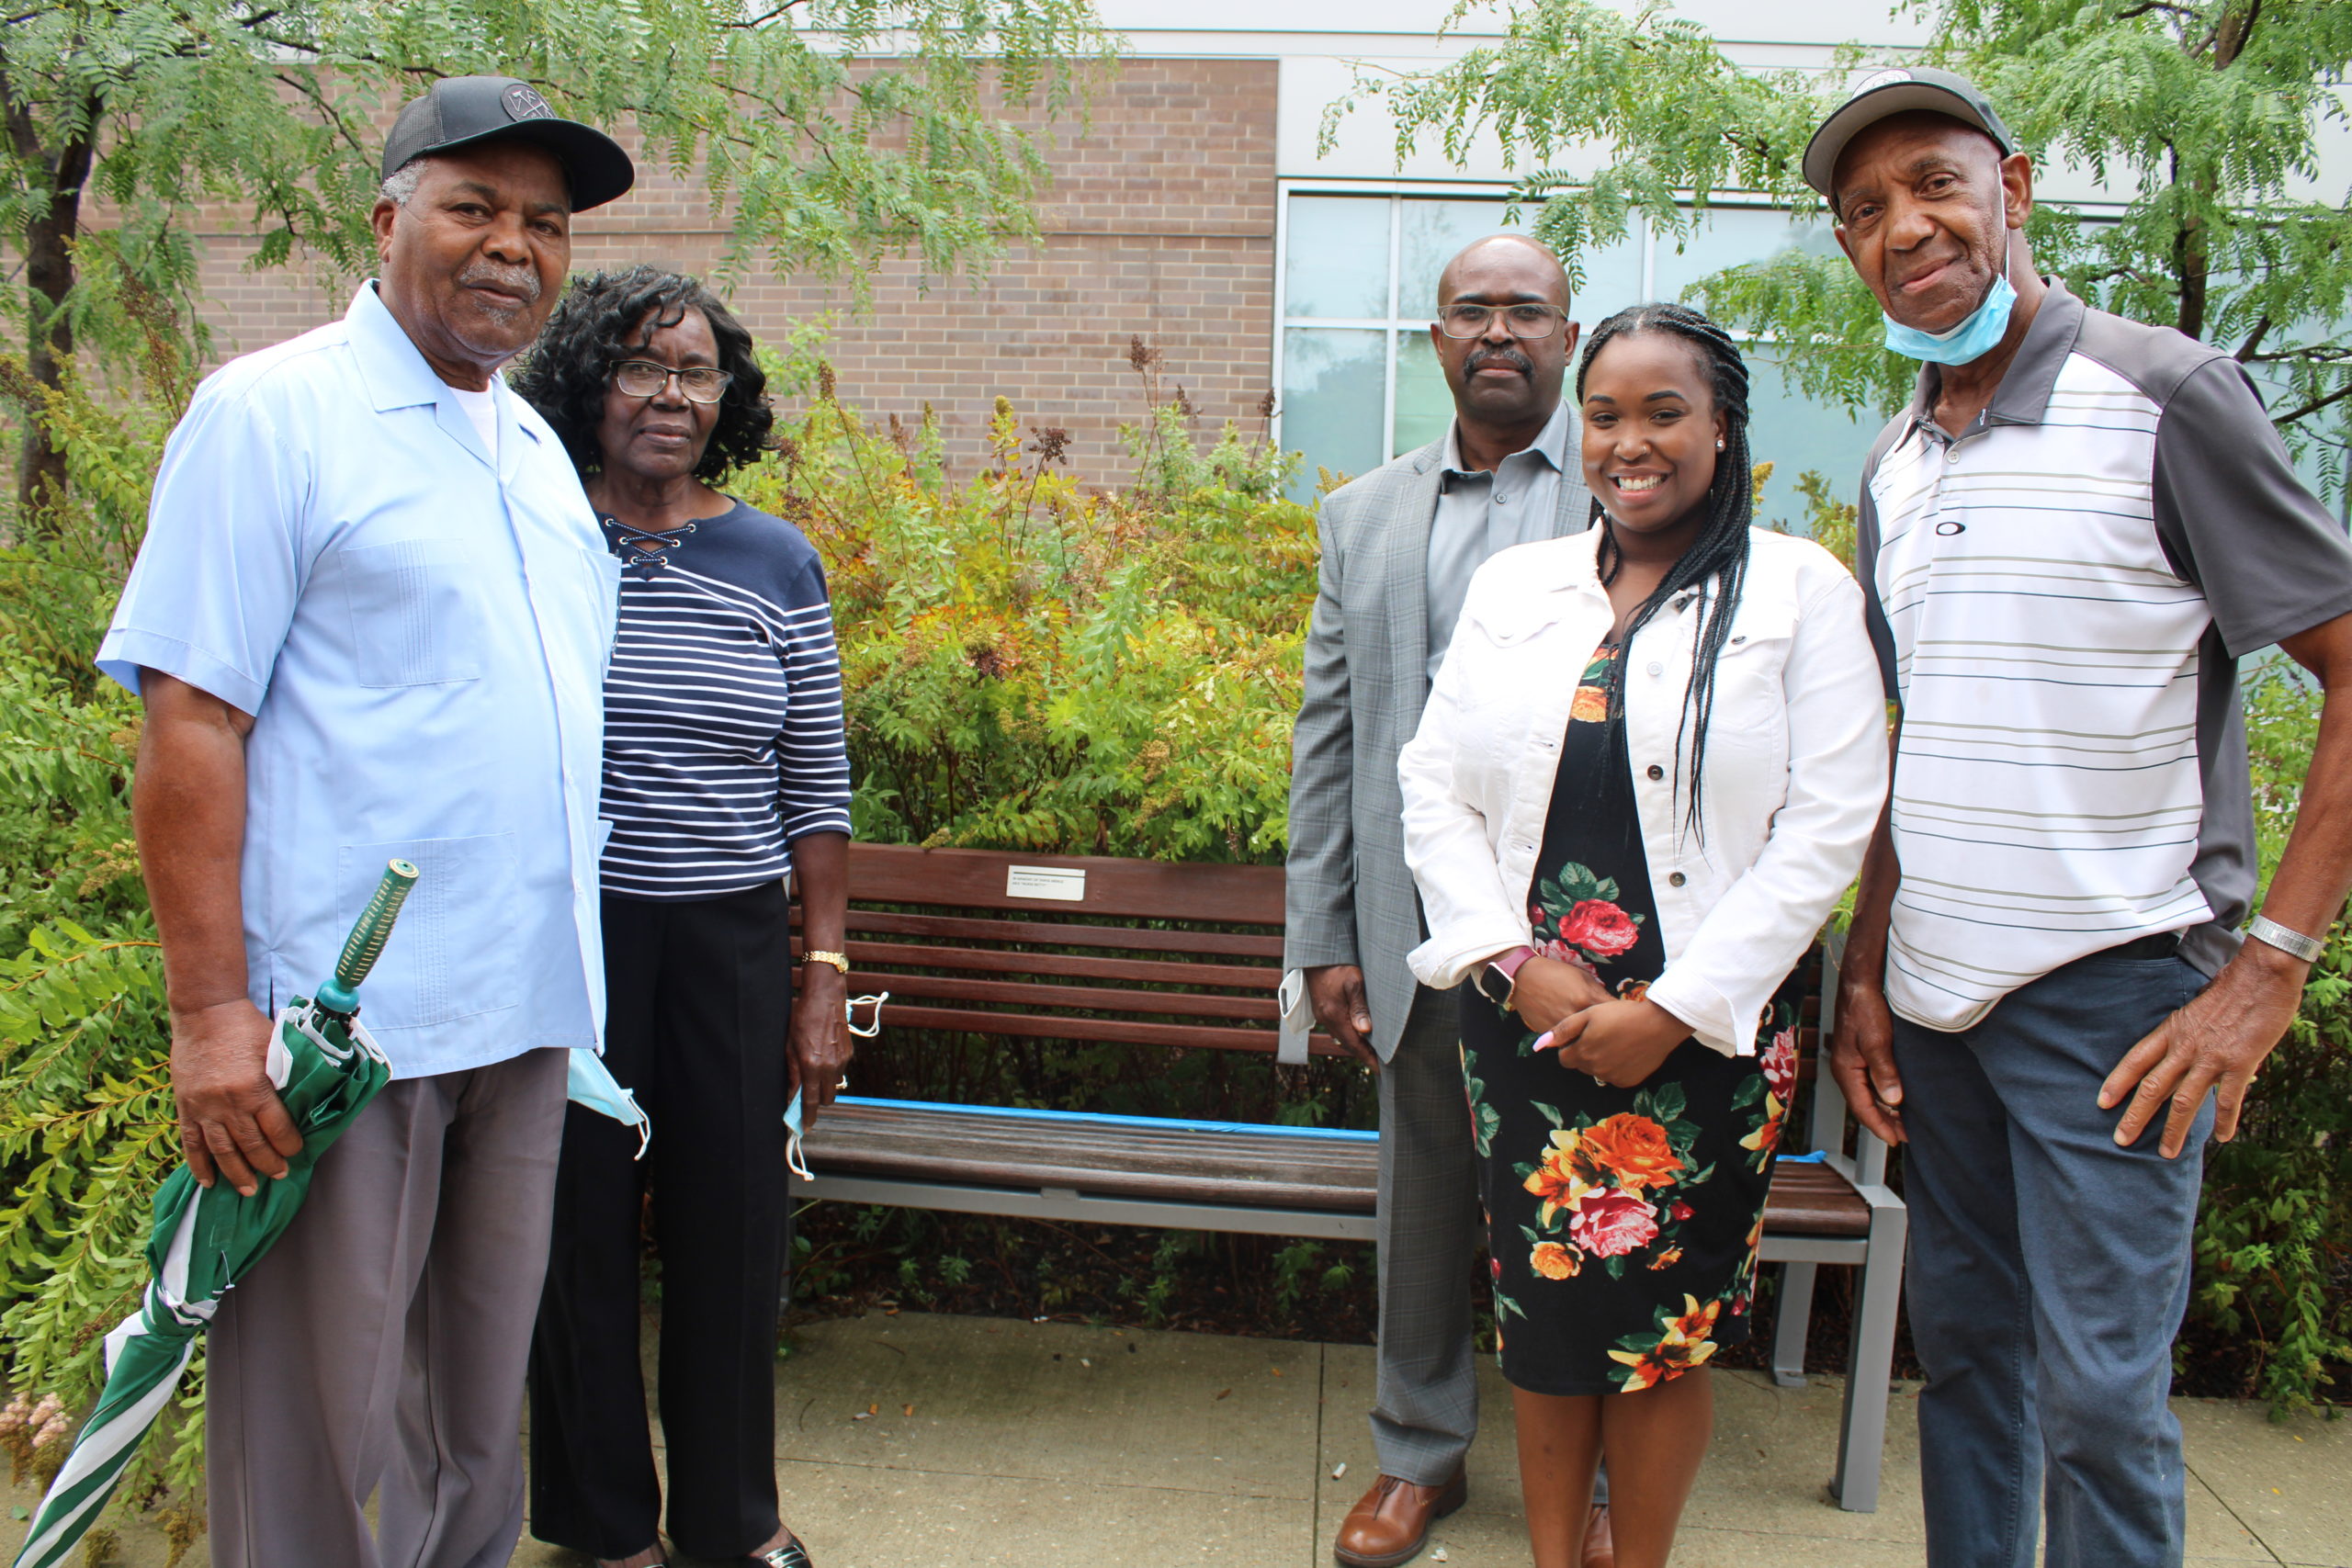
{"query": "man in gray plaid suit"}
(1399, 546)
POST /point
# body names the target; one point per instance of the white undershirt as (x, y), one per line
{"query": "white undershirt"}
(482, 409)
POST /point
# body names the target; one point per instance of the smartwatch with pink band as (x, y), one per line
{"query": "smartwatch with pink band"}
(1507, 967)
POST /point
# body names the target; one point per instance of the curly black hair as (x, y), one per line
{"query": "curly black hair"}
(608, 317)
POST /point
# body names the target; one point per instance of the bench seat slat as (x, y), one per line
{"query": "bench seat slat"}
(1274, 1168)
(1175, 1163)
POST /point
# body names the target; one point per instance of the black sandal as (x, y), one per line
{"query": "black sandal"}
(791, 1555)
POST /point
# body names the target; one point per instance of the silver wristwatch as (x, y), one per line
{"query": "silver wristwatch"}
(2262, 929)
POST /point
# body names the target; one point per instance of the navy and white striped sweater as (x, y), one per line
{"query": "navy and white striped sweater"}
(723, 736)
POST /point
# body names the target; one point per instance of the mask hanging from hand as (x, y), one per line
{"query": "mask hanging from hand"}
(1972, 339)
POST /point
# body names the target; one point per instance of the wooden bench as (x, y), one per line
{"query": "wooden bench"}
(1089, 950)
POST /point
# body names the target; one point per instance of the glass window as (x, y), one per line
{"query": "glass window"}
(1360, 382)
(1733, 236)
(1333, 392)
(1339, 258)
(1794, 434)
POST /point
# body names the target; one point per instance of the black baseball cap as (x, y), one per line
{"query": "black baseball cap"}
(461, 111)
(1895, 92)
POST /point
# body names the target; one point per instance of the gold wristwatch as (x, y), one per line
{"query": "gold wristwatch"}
(838, 960)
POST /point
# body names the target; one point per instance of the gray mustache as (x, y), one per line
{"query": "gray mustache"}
(519, 281)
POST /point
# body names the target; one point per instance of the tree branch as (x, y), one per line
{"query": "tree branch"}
(2254, 340)
(2337, 396)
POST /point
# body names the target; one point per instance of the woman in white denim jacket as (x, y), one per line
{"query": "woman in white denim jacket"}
(1646, 774)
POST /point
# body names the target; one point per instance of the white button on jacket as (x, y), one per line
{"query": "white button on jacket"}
(1796, 770)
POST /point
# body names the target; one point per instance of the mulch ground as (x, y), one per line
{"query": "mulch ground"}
(850, 1260)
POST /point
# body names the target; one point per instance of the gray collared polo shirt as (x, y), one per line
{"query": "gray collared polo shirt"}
(2060, 595)
(1481, 513)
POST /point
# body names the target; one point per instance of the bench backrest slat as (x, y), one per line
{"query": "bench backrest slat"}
(1127, 889)
(1073, 1026)
(896, 922)
(1077, 965)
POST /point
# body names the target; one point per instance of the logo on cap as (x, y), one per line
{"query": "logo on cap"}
(1868, 83)
(525, 103)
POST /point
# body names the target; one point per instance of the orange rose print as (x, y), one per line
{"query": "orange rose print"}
(1591, 706)
(1554, 1261)
(1634, 1150)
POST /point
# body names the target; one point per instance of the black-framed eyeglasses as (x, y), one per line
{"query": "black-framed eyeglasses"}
(643, 378)
(1520, 321)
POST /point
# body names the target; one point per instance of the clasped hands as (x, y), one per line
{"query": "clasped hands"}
(1620, 1041)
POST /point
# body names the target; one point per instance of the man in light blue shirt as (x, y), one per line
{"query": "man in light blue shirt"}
(370, 621)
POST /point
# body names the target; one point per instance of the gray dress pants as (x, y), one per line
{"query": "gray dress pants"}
(1426, 1405)
(379, 1348)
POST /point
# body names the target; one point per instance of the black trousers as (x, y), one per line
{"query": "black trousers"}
(700, 1003)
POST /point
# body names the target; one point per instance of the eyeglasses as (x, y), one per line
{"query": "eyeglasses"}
(1520, 320)
(643, 378)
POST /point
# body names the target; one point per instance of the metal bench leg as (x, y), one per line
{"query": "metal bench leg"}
(1861, 1443)
(1796, 1318)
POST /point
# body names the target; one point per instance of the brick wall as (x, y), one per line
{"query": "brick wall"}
(1160, 222)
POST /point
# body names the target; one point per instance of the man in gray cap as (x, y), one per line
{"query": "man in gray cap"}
(370, 621)
(2067, 541)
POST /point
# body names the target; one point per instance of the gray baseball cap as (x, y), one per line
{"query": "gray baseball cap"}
(461, 111)
(1895, 92)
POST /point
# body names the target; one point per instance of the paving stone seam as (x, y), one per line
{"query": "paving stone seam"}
(2224, 1503)
(1322, 1452)
(1039, 1480)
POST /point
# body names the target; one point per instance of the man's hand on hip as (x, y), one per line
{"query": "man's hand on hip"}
(1335, 993)
(231, 1122)
(2214, 1044)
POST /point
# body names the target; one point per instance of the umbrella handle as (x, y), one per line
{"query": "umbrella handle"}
(365, 942)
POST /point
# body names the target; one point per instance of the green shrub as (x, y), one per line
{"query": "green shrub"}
(2274, 1238)
(1031, 663)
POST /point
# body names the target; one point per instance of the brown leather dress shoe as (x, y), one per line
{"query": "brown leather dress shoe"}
(1600, 1543)
(1391, 1523)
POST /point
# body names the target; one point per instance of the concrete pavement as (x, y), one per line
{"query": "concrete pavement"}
(922, 1441)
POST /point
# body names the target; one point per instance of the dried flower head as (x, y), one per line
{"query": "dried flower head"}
(1052, 444)
(1266, 404)
(825, 383)
(1141, 355)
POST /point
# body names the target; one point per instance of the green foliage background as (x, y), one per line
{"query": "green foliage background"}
(1031, 663)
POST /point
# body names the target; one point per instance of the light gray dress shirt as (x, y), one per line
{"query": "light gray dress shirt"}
(1481, 513)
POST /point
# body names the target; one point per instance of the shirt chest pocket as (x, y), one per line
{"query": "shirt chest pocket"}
(415, 612)
(1751, 691)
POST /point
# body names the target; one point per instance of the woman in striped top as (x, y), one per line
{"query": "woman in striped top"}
(725, 774)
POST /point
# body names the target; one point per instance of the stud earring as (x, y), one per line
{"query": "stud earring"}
(1719, 443)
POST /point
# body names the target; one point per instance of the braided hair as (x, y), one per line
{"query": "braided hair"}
(1715, 565)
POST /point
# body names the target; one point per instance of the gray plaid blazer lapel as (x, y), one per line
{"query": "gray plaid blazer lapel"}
(1411, 510)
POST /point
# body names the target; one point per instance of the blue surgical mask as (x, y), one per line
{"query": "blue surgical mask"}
(591, 1085)
(1972, 339)
(792, 1155)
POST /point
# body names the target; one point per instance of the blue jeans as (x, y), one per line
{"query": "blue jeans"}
(2048, 1274)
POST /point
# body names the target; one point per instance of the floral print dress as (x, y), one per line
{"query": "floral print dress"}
(1622, 1224)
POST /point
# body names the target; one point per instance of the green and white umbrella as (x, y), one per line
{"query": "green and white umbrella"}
(326, 1069)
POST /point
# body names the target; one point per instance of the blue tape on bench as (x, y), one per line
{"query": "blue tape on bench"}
(1341, 1134)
